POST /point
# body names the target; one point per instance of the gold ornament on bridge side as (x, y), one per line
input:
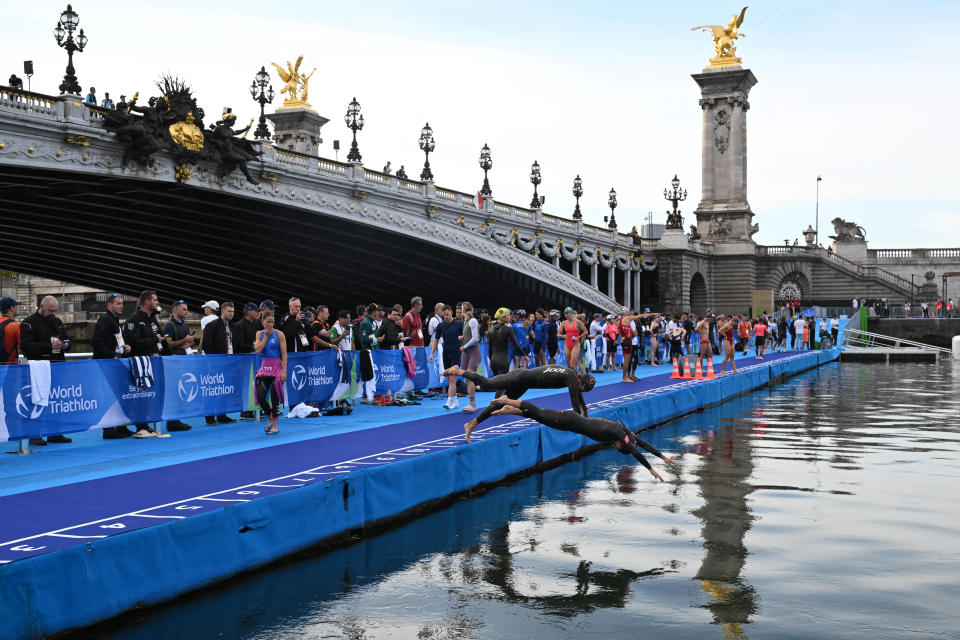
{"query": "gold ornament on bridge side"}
(186, 134)
(295, 85)
(723, 39)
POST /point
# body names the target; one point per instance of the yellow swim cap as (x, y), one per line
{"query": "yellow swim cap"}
(502, 311)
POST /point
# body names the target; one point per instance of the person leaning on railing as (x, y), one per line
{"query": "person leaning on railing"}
(42, 338)
(107, 344)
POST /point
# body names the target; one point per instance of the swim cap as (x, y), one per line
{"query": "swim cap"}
(502, 311)
(522, 313)
(569, 310)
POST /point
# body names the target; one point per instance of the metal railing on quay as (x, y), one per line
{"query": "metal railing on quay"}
(855, 338)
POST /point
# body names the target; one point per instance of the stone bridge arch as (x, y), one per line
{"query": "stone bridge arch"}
(698, 294)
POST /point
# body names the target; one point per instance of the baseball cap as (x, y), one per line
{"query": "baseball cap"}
(610, 316)
(213, 304)
(268, 304)
(554, 312)
(624, 311)
(502, 311)
(7, 303)
(251, 306)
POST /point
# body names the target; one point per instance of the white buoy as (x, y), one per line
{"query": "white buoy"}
(956, 347)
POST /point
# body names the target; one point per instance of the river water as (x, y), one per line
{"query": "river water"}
(824, 507)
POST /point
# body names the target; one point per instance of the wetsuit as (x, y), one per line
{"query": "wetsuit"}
(501, 338)
(515, 383)
(599, 429)
(552, 343)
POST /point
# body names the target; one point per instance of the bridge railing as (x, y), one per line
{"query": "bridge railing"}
(29, 101)
(918, 254)
(864, 271)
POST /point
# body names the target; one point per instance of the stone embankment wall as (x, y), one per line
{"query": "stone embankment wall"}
(938, 332)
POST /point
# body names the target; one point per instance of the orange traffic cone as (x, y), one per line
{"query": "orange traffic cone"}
(699, 374)
(676, 370)
(687, 375)
(710, 374)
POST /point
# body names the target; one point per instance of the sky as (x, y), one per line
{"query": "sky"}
(856, 92)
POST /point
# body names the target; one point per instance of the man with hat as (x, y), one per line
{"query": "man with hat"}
(266, 305)
(211, 310)
(9, 331)
(42, 338)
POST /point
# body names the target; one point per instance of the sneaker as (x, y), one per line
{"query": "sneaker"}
(454, 405)
(211, 421)
(446, 405)
(60, 439)
(176, 425)
(160, 435)
(225, 419)
(38, 442)
(144, 433)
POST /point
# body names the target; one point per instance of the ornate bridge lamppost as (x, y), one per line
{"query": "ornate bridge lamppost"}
(486, 163)
(577, 192)
(677, 195)
(354, 120)
(63, 32)
(612, 203)
(264, 95)
(536, 202)
(427, 145)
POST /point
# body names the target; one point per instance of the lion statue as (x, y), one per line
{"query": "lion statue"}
(848, 231)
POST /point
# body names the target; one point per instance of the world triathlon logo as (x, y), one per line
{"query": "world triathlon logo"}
(25, 406)
(188, 387)
(299, 377)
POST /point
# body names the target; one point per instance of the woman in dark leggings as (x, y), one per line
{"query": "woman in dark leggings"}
(501, 336)
(599, 429)
(273, 371)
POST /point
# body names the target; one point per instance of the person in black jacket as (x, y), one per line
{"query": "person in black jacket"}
(108, 344)
(218, 339)
(177, 339)
(295, 329)
(244, 337)
(42, 338)
(390, 329)
(142, 332)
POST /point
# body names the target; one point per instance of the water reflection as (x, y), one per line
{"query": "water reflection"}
(812, 508)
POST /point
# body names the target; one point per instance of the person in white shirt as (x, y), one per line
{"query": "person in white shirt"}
(834, 329)
(595, 342)
(856, 305)
(824, 334)
(798, 325)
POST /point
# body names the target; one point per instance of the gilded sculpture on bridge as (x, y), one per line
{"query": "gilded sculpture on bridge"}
(295, 85)
(723, 39)
(173, 122)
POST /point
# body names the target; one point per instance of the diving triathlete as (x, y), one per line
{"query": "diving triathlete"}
(515, 383)
(599, 429)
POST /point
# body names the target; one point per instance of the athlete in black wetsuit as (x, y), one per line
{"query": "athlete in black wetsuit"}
(501, 335)
(599, 429)
(515, 383)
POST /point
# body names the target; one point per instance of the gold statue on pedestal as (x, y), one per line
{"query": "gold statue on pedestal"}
(295, 85)
(723, 38)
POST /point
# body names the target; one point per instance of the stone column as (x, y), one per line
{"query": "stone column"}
(612, 280)
(723, 214)
(627, 298)
(297, 129)
(575, 267)
(594, 277)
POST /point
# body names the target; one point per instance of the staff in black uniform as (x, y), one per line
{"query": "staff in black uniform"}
(42, 338)
(599, 429)
(107, 344)
(142, 332)
(218, 339)
(515, 383)
(177, 339)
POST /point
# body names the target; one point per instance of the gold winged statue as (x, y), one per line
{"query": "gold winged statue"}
(723, 39)
(294, 85)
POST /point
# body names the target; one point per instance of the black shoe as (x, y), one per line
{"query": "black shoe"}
(211, 421)
(59, 439)
(225, 419)
(176, 425)
(116, 433)
(38, 442)
(247, 415)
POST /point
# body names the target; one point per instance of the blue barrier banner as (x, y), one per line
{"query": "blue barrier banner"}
(79, 399)
(133, 404)
(390, 373)
(205, 386)
(312, 376)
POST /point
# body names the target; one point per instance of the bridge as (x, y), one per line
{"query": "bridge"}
(314, 227)
(342, 234)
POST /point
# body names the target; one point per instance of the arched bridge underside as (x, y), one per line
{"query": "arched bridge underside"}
(126, 234)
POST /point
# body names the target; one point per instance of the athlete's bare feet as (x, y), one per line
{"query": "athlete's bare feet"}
(500, 401)
(453, 371)
(508, 410)
(468, 428)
